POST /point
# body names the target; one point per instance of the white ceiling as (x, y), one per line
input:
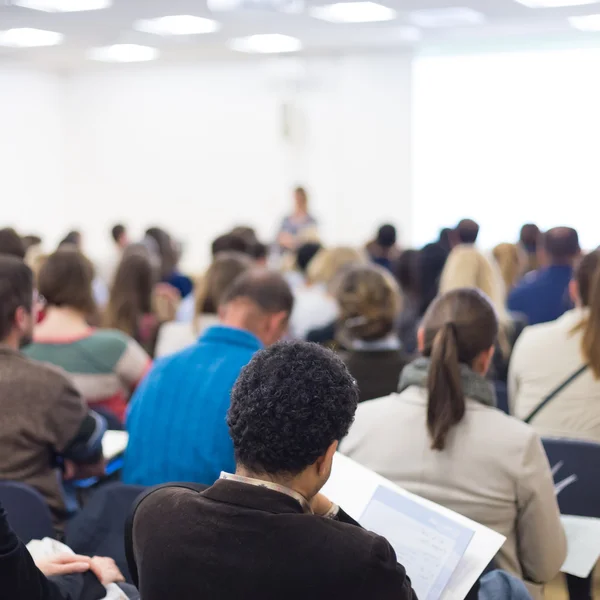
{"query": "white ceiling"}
(506, 22)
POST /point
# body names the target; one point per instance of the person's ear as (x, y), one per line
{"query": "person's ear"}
(325, 462)
(421, 340)
(574, 292)
(22, 318)
(483, 360)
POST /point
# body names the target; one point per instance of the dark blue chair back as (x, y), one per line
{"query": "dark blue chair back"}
(501, 396)
(575, 466)
(28, 513)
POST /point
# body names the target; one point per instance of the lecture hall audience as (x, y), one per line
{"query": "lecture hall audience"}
(176, 421)
(105, 365)
(441, 437)
(263, 530)
(567, 350)
(44, 419)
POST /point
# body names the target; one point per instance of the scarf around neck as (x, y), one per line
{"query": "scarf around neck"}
(474, 386)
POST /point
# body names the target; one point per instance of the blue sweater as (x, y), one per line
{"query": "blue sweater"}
(543, 295)
(177, 419)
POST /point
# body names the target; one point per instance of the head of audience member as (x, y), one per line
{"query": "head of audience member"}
(405, 271)
(31, 241)
(305, 253)
(386, 236)
(300, 201)
(166, 249)
(260, 253)
(585, 293)
(65, 281)
(119, 236)
(290, 407)
(230, 242)
(467, 231)
(448, 239)
(17, 304)
(11, 243)
(131, 292)
(430, 264)
(467, 267)
(529, 237)
(330, 262)
(73, 238)
(560, 246)
(459, 328)
(369, 301)
(512, 262)
(225, 269)
(260, 302)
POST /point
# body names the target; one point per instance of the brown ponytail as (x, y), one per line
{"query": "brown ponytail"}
(588, 280)
(446, 406)
(458, 327)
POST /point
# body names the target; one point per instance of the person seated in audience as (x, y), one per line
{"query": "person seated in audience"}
(73, 238)
(295, 227)
(138, 306)
(295, 273)
(550, 354)
(467, 232)
(512, 262)
(44, 419)
(448, 238)
(230, 242)
(543, 295)
(405, 271)
(11, 243)
(110, 264)
(227, 266)
(57, 577)
(383, 250)
(369, 301)
(104, 364)
(176, 422)
(314, 306)
(528, 240)
(442, 438)
(467, 267)
(169, 254)
(266, 532)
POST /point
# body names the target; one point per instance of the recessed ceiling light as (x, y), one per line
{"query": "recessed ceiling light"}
(446, 17)
(26, 37)
(353, 12)
(555, 3)
(268, 43)
(64, 5)
(586, 23)
(177, 25)
(124, 53)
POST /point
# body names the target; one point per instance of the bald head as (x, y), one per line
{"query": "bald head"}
(561, 244)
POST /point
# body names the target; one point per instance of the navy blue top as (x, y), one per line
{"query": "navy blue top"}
(543, 295)
(181, 283)
(177, 419)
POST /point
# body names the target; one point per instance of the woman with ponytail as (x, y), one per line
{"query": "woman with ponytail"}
(442, 438)
(565, 351)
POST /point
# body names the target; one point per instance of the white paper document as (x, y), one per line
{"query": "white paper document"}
(443, 552)
(114, 443)
(583, 544)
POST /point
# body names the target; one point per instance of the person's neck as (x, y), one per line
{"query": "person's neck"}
(62, 320)
(12, 341)
(293, 484)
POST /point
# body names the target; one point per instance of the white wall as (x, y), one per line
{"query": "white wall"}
(32, 196)
(198, 149)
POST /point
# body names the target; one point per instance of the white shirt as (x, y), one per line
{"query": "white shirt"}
(545, 356)
(174, 336)
(313, 308)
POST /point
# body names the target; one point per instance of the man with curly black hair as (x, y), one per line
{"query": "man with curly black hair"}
(266, 532)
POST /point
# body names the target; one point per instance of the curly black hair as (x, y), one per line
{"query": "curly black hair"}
(288, 405)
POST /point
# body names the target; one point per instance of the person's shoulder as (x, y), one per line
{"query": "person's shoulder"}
(37, 370)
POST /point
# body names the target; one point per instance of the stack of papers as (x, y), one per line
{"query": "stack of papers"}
(114, 443)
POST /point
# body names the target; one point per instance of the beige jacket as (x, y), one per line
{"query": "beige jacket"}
(493, 471)
(544, 357)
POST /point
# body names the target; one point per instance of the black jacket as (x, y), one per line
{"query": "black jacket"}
(236, 541)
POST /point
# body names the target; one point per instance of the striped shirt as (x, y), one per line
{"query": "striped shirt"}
(105, 365)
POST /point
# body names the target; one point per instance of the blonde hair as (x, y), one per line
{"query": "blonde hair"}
(467, 267)
(328, 262)
(369, 301)
(512, 262)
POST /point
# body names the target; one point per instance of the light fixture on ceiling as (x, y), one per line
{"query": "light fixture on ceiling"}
(586, 23)
(446, 17)
(64, 5)
(268, 43)
(353, 12)
(123, 53)
(177, 25)
(26, 37)
(555, 3)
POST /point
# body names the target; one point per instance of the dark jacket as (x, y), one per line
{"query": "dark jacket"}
(236, 541)
(377, 372)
